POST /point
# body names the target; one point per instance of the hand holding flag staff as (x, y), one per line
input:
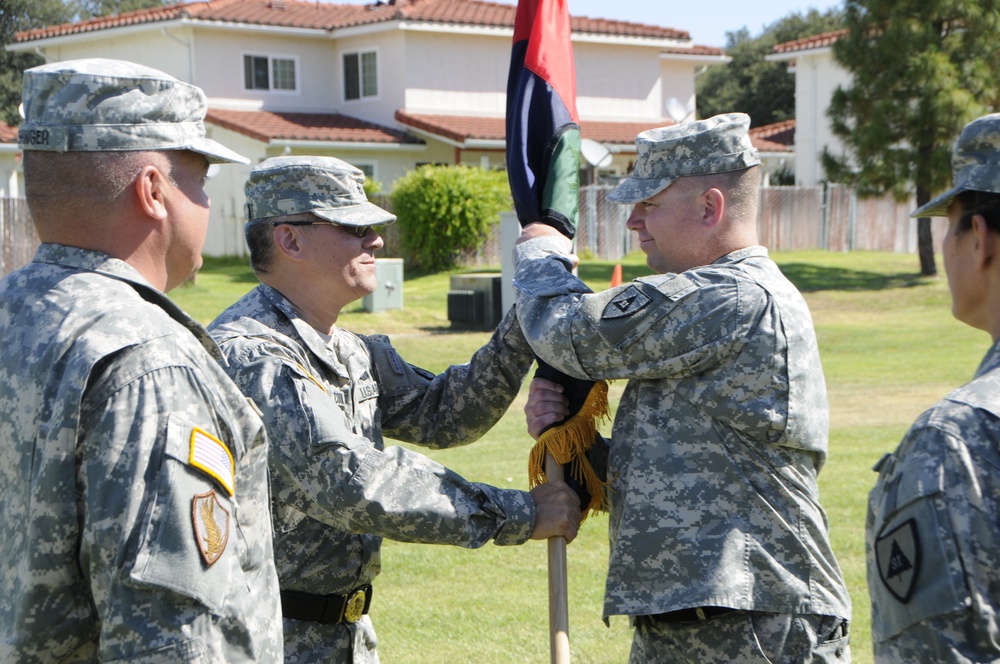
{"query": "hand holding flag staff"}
(543, 166)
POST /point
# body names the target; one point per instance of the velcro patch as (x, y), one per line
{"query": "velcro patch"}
(211, 526)
(394, 361)
(897, 554)
(212, 456)
(626, 303)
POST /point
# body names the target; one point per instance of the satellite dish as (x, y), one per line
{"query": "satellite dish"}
(594, 153)
(676, 109)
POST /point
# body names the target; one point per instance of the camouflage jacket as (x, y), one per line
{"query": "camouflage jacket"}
(719, 435)
(133, 477)
(337, 489)
(933, 532)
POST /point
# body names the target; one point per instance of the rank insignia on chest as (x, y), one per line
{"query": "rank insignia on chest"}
(211, 455)
(897, 554)
(211, 526)
(626, 303)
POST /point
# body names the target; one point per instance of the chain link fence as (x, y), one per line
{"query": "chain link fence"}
(789, 218)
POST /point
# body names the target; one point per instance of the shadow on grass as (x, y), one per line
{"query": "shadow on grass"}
(810, 278)
(237, 269)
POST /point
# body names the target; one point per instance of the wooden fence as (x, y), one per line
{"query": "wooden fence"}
(790, 218)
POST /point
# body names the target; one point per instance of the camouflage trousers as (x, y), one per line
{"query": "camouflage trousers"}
(742, 637)
(312, 643)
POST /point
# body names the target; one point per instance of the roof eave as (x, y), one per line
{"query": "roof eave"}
(347, 145)
(125, 30)
(792, 55)
(697, 58)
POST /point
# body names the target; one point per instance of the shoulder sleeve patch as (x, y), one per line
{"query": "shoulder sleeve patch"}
(211, 455)
(626, 303)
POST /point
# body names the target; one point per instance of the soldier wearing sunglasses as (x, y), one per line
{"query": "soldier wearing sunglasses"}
(328, 397)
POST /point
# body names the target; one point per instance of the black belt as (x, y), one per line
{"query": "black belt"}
(326, 609)
(694, 614)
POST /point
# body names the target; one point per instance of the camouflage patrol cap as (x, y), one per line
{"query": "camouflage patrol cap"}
(715, 145)
(98, 105)
(328, 187)
(975, 165)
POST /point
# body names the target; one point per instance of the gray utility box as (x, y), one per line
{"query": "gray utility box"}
(475, 301)
(389, 293)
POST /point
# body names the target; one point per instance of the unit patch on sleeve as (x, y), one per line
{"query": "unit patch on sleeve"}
(211, 455)
(211, 526)
(626, 303)
(897, 554)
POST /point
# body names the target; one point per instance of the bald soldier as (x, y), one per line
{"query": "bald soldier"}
(719, 545)
(933, 529)
(329, 397)
(133, 473)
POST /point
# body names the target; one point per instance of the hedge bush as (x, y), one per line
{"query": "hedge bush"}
(446, 211)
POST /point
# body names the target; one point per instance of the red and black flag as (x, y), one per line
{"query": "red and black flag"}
(543, 166)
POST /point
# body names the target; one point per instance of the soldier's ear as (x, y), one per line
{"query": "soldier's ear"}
(287, 240)
(150, 187)
(986, 242)
(712, 205)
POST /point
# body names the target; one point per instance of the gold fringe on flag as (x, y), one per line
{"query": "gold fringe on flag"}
(568, 443)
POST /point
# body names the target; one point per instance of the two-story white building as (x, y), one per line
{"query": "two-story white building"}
(386, 86)
(817, 76)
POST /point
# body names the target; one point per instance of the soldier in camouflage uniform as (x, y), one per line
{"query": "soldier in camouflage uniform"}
(329, 396)
(719, 546)
(933, 528)
(133, 474)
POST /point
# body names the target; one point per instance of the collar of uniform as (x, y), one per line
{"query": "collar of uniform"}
(742, 254)
(305, 332)
(100, 263)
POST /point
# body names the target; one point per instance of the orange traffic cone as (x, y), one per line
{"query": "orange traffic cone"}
(616, 276)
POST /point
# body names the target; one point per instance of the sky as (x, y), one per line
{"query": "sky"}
(707, 21)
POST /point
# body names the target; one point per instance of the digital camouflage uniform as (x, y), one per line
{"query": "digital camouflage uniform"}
(133, 474)
(718, 438)
(126, 530)
(337, 489)
(933, 533)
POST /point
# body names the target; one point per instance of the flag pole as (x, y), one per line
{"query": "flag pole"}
(558, 585)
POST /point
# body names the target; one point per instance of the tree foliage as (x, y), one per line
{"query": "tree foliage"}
(19, 15)
(921, 69)
(446, 211)
(749, 84)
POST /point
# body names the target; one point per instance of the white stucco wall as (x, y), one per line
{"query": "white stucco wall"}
(220, 74)
(166, 50)
(455, 74)
(817, 75)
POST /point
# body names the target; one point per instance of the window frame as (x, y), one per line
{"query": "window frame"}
(271, 59)
(360, 53)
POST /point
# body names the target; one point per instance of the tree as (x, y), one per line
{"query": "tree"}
(749, 84)
(19, 15)
(921, 70)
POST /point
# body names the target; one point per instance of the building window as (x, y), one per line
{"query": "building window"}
(360, 75)
(265, 72)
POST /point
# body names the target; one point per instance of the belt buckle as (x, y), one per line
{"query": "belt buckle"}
(355, 606)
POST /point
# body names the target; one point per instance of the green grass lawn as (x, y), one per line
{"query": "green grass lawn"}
(890, 349)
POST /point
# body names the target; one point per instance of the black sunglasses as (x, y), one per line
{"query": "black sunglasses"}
(358, 231)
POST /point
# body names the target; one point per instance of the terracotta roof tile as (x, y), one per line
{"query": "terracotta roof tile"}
(8, 134)
(808, 43)
(777, 137)
(327, 16)
(461, 127)
(334, 127)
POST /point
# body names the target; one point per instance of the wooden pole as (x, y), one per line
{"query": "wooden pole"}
(558, 584)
